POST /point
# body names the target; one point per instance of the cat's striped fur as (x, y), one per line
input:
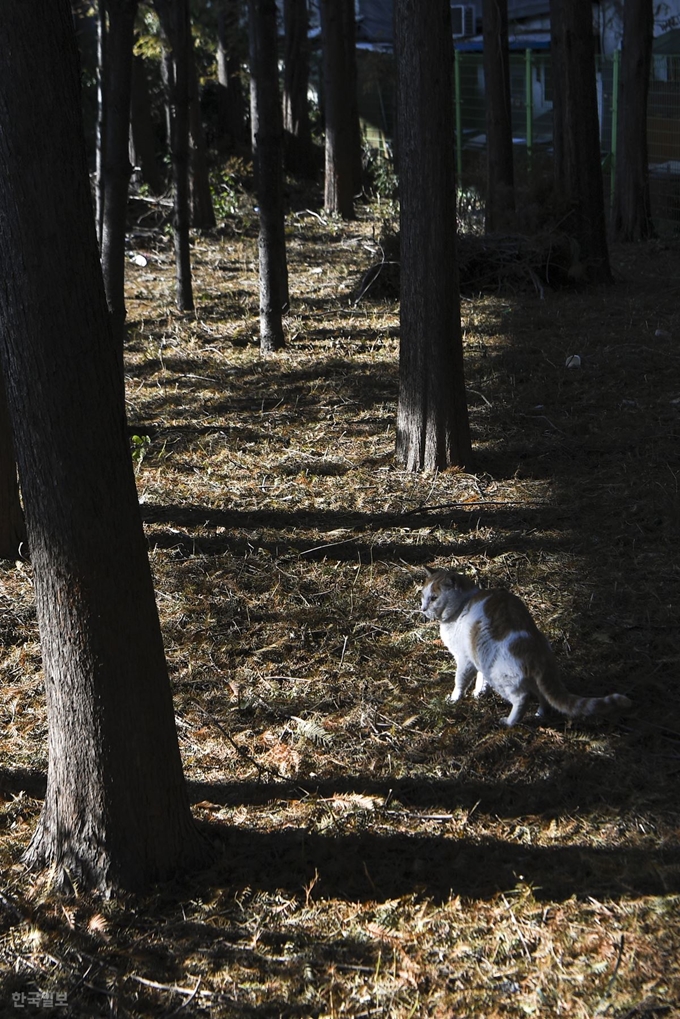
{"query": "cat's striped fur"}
(492, 636)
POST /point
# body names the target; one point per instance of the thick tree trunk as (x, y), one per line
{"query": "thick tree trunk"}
(340, 172)
(578, 171)
(116, 811)
(202, 212)
(142, 147)
(632, 205)
(298, 149)
(116, 162)
(500, 188)
(432, 420)
(266, 117)
(232, 100)
(12, 526)
(175, 29)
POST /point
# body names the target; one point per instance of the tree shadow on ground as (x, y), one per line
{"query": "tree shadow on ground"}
(520, 525)
(367, 866)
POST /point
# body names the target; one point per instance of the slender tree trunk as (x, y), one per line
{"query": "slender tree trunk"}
(202, 212)
(142, 147)
(101, 118)
(578, 172)
(340, 135)
(432, 419)
(232, 101)
(500, 190)
(116, 810)
(349, 34)
(168, 79)
(298, 149)
(632, 205)
(173, 16)
(116, 164)
(268, 139)
(12, 526)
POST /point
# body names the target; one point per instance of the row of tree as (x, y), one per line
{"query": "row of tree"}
(269, 111)
(578, 177)
(577, 160)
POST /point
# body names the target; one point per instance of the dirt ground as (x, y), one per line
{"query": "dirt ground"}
(379, 851)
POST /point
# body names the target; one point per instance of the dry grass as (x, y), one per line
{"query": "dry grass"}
(380, 852)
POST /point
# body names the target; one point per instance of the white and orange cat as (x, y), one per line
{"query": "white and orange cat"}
(492, 637)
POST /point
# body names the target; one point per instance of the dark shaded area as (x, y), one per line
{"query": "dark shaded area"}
(369, 866)
(373, 864)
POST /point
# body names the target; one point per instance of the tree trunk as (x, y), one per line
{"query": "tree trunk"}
(12, 526)
(500, 187)
(173, 16)
(232, 102)
(202, 212)
(142, 147)
(340, 135)
(266, 117)
(298, 148)
(578, 171)
(116, 163)
(432, 420)
(349, 34)
(632, 205)
(101, 119)
(116, 810)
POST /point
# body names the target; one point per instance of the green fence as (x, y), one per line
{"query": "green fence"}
(531, 94)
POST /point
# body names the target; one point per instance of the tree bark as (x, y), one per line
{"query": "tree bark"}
(339, 186)
(432, 419)
(116, 168)
(173, 16)
(12, 525)
(101, 119)
(632, 204)
(142, 147)
(116, 810)
(202, 212)
(298, 148)
(232, 101)
(578, 171)
(500, 188)
(349, 34)
(268, 156)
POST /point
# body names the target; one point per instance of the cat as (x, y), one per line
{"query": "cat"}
(492, 635)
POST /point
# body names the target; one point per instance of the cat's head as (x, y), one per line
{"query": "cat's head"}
(440, 589)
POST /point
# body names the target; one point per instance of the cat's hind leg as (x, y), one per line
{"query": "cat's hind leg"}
(481, 685)
(543, 707)
(465, 673)
(519, 706)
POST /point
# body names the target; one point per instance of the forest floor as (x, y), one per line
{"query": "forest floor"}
(379, 851)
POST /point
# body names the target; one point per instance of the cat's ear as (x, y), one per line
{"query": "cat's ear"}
(428, 571)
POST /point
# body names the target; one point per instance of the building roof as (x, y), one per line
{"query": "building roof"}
(518, 42)
(667, 44)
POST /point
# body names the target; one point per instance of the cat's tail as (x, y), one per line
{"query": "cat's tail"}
(557, 695)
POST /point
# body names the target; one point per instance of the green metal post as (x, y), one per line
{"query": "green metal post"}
(615, 112)
(459, 119)
(529, 103)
